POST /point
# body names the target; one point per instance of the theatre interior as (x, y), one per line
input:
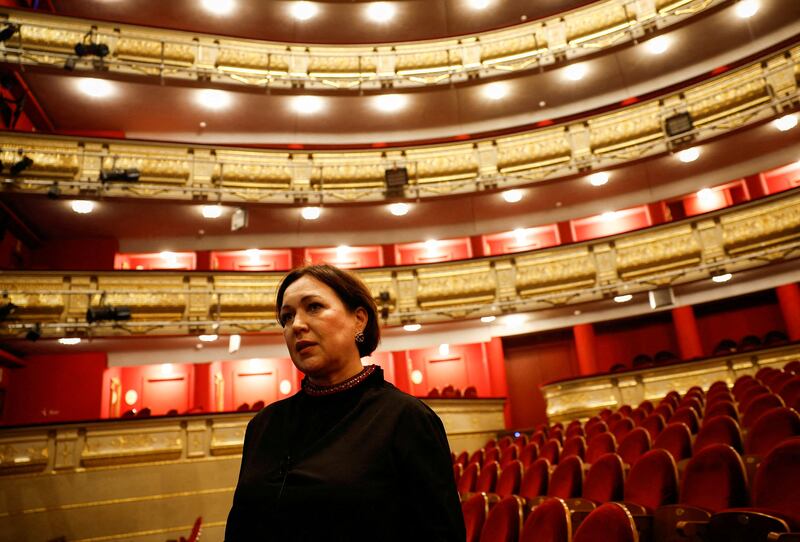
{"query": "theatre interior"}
(579, 221)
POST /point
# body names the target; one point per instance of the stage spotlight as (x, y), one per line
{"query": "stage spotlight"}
(91, 49)
(7, 310)
(20, 166)
(107, 313)
(123, 175)
(8, 31)
(34, 333)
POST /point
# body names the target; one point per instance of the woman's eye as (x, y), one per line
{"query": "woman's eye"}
(314, 306)
(285, 318)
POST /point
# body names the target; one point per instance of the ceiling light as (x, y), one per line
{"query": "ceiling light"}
(213, 99)
(444, 349)
(412, 327)
(689, 155)
(515, 320)
(399, 209)
(488, 319)
(416, 376)
(311, 213)
(82, 206)
(719, 279)
(303, 11)
(747, 8)
(380, 12)
(495, 91)
(478, 4)
(389, 103)
(657, 45)
(705, 195)
(512, 196)
(521, 235)
(608, 216)
(307, 105)
(96, 88)
(212, 211)
(70, 341)
(623, 298)
(170, 257)
(285, 387)
(219, 7)
(598, 179)
(575, 72)
(234, 342)
(785, 123)
(210, 338)
(431, 245)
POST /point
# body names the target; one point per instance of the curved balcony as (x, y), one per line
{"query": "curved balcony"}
(727, 103)
(760, 235)
(50, 41)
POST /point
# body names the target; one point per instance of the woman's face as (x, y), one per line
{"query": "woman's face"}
(320, 331)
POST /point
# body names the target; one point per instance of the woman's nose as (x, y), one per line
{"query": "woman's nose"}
(298, 322)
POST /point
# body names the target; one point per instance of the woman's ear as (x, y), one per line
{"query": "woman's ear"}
(362, 318)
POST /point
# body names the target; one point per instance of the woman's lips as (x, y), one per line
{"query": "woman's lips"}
(301, 346)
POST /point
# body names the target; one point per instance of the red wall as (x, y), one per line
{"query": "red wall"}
(619, 341)
(55, 388)
(465, 365)
(89, 254)
(753, 314)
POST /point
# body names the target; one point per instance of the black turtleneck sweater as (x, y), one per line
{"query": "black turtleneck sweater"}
(367, 463)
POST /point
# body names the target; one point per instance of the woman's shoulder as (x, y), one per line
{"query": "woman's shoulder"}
(276, 409)
(405, 402)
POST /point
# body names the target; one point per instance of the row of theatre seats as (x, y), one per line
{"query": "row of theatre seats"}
(450, 392)
(716, 465)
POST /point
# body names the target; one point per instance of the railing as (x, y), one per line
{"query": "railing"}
(50, 41)
(729, 102)
(748, 236)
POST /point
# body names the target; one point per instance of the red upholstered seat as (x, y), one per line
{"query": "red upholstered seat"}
(566, 481)
(608, 523)
(653, 480)
(556, 433)
(535, 480)
(676, 439)
(574, 431)
(510, 479)
(771, 429)
(477, 457)
(672, 398)
(605, 414)
(463, 458)
(714, 479)
(721, 408)
(605, 480)
(475, 510)
(665, 410)
(510, 453)
(746, 387)
(487, 479)
(505, 442)
(548, 522)
(466, 484)
(551, 451)
(625, 410)
(717, 385)
(591, 421)
(595, 429)
(614, 418)
(747, 397)
(634, 445)
(789, 390)
(688, 416)
(601, 444)
(647, 406)
(694, 403)
(622, 428)
(521, 441)
(538, 437)
(718, 395)
(491, 454)
(457, 470)
(491, 443)
(776, 380)
(574, 446)
(742, 381)
(638, 416)
(758, 406)
(719, 430)
(654, 424)
(792, 367)
(504, 522)
(529, 454)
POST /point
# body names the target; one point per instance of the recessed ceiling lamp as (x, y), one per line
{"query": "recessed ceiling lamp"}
(213, 99)
(598, 179)
(211, 211)
(512, 196)
(307, 105)
(496, 90)
(488, 319)
(444, 349)
(380, 12)
(96, 88)
(785, 123)
(705, 195)
(82, 206)
(399, 209)
(311, 213)
(719, 279)
(219, 7)
(389, 103)
(608, 216)
(478, 4)
(623, 298)
(575, 72)
(69, 341)
(210, 338)
(689, 155)
(747, 8)
(303, 11)
(412, 327)
(657, 45)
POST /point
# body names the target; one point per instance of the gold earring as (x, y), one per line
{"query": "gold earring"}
(360, 337)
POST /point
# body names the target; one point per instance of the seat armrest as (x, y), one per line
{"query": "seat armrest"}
(783, 537)
(693, 529)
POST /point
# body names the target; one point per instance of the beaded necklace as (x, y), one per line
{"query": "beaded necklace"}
(317, 391)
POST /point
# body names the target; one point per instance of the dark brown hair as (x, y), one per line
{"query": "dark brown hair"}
(352, 292)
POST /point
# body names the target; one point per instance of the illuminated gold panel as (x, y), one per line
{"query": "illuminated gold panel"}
(554, 270)
(659, 251)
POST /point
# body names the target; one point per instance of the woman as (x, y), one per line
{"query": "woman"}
(349, 457)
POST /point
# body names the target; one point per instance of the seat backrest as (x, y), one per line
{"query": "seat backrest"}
(719, 430)
(747, 397)
(635, 443)
(538, 437)
(654, 424)
(718, 395)
(771, 429)
(716, 386)
(789, 389)
(758, 406)
(567, 479)
(477, 457)
(536, 479)
(600, 444)
(610, 522)
(529, 454)
(466, 484)
(693, 402)
(504, 522)
(665, 410)
(574, 446)
(638, 416)
(491, 454)
(556, 433)
(521, 440)
(487, 480)
(463, 458)
(622, 428)
(647, 406)
(721, 408)
(548, 522)
(688, 416)
(504, 442)
(595, 429)
(653, 480)
(777, 481)
(676, 439)
(715, 479)
(605, 480)
(753, 386)
(625, 410)
(475, 510)
(510, 453)
(457, 470)
(551, 451)
(575, 431)
(792, 367)
(510, 478)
